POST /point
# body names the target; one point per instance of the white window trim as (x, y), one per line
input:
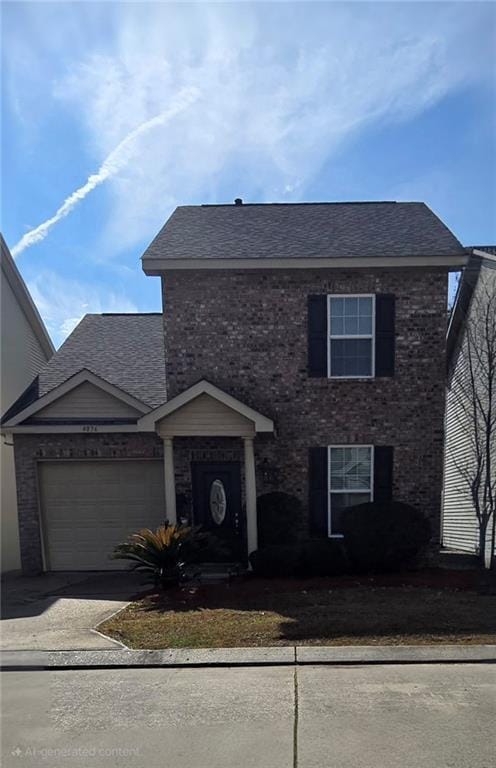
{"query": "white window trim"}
(350, 335)
(345, 490)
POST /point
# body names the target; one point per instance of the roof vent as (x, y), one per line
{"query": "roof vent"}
(238, 201)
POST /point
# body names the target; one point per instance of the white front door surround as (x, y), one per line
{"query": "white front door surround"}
(205, 410)
(251, 495)
(170, 482)
(250, 489)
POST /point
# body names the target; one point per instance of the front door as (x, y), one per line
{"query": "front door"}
(217, 506)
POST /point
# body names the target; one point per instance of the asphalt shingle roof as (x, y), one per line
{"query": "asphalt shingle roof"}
(303, 230)
(124, 349)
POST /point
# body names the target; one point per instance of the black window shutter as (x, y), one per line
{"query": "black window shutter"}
(384, 334)
(317, 481)
(383, 472)
(317, 336)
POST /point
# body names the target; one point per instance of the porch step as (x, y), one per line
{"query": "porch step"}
(214, 573)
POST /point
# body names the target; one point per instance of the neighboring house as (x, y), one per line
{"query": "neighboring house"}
(25, 348)
(301, 348)
(460, 529)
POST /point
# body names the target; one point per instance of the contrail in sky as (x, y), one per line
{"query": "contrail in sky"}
(113, 163)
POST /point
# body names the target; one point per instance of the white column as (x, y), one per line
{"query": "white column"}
(251, 495)
(170, 481)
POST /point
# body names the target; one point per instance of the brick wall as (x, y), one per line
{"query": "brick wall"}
(31, 449)
(246, 332)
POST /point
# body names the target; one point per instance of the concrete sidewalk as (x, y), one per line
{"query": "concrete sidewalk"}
(250, 657)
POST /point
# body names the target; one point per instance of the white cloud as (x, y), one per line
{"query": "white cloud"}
(63, 303)
(116, 161)
(283, 86)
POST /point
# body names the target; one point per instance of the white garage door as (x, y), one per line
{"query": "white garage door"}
(90, 506)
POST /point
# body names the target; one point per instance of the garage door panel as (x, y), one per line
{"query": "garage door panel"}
(90, 506)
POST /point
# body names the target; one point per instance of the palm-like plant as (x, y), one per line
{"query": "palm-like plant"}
(163, 554)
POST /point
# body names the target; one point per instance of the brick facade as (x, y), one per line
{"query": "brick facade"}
(32, 449)
(246, 332)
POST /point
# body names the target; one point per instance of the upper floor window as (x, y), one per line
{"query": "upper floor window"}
(351, 323)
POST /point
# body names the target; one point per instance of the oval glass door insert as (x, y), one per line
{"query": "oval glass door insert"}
(218, 502)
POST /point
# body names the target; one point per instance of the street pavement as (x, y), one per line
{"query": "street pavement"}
(357, 716)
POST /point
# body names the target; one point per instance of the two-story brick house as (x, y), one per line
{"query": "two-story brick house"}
(301, 348)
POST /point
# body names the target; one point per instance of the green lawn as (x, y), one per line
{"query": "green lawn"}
(258, 612)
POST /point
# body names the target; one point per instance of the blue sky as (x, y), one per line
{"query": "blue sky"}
(167, 104)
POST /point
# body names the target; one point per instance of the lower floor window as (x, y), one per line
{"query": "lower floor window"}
(350, 481)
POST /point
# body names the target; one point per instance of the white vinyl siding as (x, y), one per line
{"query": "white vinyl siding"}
(204, 415)
(87, 401)
(21, 358)
(460, 529)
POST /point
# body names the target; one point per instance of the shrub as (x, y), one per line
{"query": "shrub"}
(163, 554)
(276, 560)
(383, 536)
(323, 557)
(307, 559)
(279, 517)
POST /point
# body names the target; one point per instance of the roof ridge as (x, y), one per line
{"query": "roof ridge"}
(125, 314)
(307, 202)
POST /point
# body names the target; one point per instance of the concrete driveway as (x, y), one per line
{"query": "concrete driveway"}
(400, 716)
(59, 611)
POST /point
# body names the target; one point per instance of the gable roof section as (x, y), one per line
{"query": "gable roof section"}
(126, 350)
(88, 402)
(481, 257)
(68, 386)
(261, 423)
(20, 291)
(296, 231)
(30, 394)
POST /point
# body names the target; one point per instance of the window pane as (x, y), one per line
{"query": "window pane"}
(351, 315)
(337, 456)
(351, 306)
(337, 307)
(351, 325)
(356, 483)
(363, 455)
(350, 468)
(365, 306)
(337, 326)
(348, 454)
(339, 502)
(365, 324)
(351, 357)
